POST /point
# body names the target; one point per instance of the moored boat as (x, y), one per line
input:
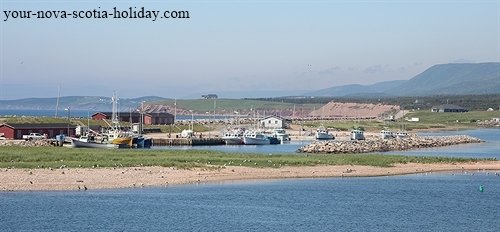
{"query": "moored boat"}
(386, 134)
(357, 134)
(84, 143)
(234, 136)
(254, 137)
(323, 134)
(401, 134)
(281, 135)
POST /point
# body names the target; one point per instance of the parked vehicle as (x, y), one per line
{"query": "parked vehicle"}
(33, 136)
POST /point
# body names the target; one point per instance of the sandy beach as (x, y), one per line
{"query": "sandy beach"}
(79, 179)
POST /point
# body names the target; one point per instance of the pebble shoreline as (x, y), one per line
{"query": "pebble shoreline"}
(380, 145)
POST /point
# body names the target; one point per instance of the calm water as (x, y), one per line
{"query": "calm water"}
(489, 149)
(290, 147)
(434, 202)
(423, 202)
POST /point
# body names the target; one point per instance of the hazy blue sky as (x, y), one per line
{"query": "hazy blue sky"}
(238, 45)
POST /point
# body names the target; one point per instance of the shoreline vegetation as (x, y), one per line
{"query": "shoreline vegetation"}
(50, 168)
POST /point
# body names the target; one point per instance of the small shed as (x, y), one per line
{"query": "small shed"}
(16, 131)
(274, 122)
(448, 108)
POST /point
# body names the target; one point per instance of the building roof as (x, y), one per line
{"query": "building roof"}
(120, 114)
(36, 125)
(158, 114)
(273, 116)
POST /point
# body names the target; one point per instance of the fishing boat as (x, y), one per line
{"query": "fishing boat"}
(386, 134)
(281, 135)
(85, 142)
(115, 135)
(323, 134)
(357, 134)
(401, 134)
(119, 137)
(255, 137)
(234, 136)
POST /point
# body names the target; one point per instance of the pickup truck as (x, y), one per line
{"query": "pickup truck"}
(33, 136)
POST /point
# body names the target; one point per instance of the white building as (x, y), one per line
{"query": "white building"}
(274, 122)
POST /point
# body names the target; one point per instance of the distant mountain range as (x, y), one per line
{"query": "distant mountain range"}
(93, 103)
(442, 79)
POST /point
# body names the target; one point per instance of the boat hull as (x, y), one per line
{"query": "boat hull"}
(122, 141)
(256, 141)
(324, 136)
(81, 144)
(233, 140)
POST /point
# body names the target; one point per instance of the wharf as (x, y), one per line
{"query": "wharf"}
(187, 141)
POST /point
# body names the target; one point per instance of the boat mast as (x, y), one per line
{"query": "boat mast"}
(58, 96)
(114, 116)
(175, 110)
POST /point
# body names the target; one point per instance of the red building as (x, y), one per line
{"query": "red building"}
(134, 117)
(16, 131)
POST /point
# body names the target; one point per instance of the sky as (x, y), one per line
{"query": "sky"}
(237, 46)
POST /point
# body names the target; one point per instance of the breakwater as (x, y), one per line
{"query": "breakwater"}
(380, 145)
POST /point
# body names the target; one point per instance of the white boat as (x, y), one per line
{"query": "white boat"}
(85, 143)
(234, 137)
(401, 134)
(323, 134)
(253, 137)
(281, 135)
(357, 134)
(187, 133)
(386, 134)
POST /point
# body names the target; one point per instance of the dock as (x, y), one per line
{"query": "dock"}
(188, 142)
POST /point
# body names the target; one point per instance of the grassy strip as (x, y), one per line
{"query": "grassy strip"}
(53, 157)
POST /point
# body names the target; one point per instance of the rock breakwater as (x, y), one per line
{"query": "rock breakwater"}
(380, 145)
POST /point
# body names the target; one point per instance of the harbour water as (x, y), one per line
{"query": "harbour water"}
(488, 149)
(423, 202)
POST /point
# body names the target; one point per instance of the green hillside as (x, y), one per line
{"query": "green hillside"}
(453, 79)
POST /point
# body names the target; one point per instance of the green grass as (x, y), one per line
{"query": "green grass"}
(55, 157)
(44, 120)
(466, 118)
(20, 120)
